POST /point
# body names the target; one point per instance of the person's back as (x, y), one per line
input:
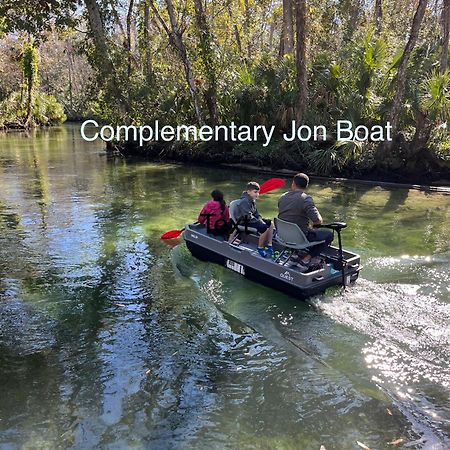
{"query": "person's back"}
(298, 207)
(215, 213)
(214, 209)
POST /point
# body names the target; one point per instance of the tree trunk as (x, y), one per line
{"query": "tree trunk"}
(247, 27)
(378, 17)
(400, 81)
(287, 30)
(117, 19)
(104, 63)
(69, 50)
(300, 51)
(30, 88)
(148, 70)
(235, 29)
(176, 40)
(445, 36)
(424, 126)
(30, 74)
(129, 17)
(271, 31)
(99, 37)
(207, 62)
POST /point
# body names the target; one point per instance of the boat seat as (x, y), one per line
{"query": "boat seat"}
(233, 207)
(290, 235)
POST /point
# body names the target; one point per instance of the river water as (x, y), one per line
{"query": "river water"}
(112, 338)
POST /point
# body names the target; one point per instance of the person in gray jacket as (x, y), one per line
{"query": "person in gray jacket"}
(246, 209)
(298, 207)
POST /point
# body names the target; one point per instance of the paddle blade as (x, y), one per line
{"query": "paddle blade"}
(271, 185)
(172, 234)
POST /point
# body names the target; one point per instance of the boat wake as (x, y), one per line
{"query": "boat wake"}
(408, 326)
(402, 332)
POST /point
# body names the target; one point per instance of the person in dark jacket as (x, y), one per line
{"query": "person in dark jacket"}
(246, 208)
(298, 207)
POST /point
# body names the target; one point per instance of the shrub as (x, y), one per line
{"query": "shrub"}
(46, 110)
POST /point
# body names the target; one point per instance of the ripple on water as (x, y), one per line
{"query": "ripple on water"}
(409, 346)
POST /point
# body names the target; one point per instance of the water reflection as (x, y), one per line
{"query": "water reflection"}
(110, 337)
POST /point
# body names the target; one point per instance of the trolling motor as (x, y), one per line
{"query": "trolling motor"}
(337, 227)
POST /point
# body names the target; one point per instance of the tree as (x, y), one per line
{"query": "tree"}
(175, 34)
(400, 80)
(148, 71)
(378, 17)
(25, 15)
(207, 61)
(287, 30)
(300, 51)
(237, 35)
(247, 27)
(433, 108)
(445, 19)
(30, 75)
(104, 63)
(129, 18)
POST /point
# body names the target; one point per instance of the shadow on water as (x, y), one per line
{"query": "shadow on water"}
(345, 195)
(397, 198)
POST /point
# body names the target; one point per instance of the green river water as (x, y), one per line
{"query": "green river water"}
(112, 338)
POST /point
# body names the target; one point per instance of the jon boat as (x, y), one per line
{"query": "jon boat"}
(341, 266)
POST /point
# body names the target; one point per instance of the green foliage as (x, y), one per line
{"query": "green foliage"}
(335, 158)
(350, 85)
(235, 60)
(35, 18)
(29, 106)
(370, 59)
(277, 155)
(435, 95)
(265, 92)
(440, 142)
(30, 65)
(46, 110)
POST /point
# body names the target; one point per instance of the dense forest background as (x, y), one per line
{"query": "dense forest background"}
(252, 62)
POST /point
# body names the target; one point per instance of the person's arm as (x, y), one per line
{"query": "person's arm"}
(312, 212)
(202, 219)
(244, 209)
(226, 213)
(319, 221)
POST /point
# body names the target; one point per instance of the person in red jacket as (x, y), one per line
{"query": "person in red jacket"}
(215, 214)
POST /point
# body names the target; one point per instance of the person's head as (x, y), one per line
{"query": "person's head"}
(253, 189)
(217, 195)
(300, 181)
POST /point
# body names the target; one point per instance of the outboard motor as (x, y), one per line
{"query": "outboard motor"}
(337, 227)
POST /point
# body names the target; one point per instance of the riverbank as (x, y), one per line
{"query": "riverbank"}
(285, 162)
(443, 189)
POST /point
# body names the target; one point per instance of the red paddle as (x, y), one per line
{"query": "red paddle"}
(172, 234)
(267, 186)
(271, 185)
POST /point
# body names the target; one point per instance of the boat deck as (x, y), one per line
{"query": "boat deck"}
(249, 242)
